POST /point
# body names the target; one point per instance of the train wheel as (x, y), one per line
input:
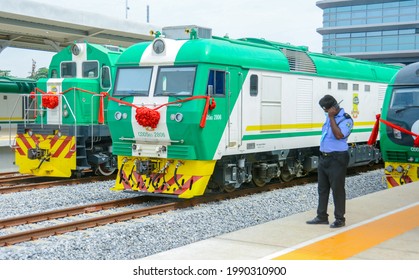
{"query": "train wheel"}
(286, 175)
(213, 186)
(77, 174)
(229, 188)
(104, 170)
(259, 182)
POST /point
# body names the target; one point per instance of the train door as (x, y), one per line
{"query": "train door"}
(271, 101)
(234, 95)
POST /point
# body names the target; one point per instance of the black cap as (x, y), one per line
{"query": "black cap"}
(327, 102)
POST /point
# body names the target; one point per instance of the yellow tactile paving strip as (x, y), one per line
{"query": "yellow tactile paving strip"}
(358, 239)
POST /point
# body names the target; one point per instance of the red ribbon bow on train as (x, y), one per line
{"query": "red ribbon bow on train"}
(374, 133)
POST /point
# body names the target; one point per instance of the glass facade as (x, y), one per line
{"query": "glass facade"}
(372, 41)
(370, 26)
(391, 12)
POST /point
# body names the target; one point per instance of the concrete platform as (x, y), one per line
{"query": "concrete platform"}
(379, 226)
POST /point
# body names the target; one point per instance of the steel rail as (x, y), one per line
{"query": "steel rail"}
(72, 211)
(49, 184)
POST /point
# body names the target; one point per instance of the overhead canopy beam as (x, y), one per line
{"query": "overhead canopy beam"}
(30, 25)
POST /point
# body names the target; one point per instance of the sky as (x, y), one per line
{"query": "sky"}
(282, 21)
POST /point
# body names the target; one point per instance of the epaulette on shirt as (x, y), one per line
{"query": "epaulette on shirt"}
(347, 116)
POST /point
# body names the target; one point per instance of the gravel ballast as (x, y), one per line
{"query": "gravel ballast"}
(142, 237)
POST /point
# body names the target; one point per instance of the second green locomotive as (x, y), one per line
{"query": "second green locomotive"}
(69, 135)
(399, 128)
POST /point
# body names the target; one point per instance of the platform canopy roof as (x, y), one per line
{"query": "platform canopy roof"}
(30, 25)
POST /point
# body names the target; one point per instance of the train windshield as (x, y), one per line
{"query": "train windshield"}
(175, 81)
(404, 99)
(133, 81)
(68, 69)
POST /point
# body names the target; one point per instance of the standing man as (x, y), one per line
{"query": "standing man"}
(333, 162)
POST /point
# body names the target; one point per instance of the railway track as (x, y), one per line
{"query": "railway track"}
(82, 224)
(19, 184)
(11, 177)
(34, 234)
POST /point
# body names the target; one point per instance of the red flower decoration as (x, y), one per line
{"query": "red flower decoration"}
(50, 101)
(147, 117)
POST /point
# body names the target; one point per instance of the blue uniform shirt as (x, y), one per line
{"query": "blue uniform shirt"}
(328, 142)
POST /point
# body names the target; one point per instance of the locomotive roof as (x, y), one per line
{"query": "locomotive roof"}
(408, 75)
(105, 54)
(272, 56)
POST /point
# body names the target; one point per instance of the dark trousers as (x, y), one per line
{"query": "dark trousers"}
(331, 175)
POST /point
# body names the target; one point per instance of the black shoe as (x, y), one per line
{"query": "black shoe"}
(338, 224)
(318, 221)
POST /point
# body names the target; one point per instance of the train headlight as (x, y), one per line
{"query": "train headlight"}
(65, 113)
(176, 117)
(389, 168)
(76, 49)
(397, 134)
(400, 169)
(159, 46)
(118, 116)
(124, 116)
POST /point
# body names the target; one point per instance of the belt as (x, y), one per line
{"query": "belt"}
(329, 154)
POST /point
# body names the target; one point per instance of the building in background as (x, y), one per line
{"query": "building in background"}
(379, 30)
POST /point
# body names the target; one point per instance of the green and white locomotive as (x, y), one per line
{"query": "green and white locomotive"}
(399, 127)
(69, 134)
(190, 115)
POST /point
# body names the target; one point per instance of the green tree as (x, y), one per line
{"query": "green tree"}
(40, 73)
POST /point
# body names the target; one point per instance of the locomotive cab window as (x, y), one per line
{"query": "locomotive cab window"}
(54, 73)
(90, 69)
(404, 98)
(68, 69)
(216, 82)
(175, 81)
(133, 81)
(106, 77)
(254, 82)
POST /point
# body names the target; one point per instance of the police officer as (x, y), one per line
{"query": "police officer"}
(333, 162)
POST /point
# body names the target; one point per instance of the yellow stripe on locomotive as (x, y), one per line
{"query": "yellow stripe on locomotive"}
(45, 155)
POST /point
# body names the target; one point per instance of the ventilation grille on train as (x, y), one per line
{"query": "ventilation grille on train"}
(396, 156)
(299, 61)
